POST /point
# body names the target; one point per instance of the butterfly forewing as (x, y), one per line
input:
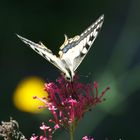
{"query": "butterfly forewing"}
(86, 40)
(46, 53)
(75, 49)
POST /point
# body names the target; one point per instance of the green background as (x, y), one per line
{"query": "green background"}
(113, 60)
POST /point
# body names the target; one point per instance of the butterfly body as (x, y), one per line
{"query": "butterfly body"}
(72, 51)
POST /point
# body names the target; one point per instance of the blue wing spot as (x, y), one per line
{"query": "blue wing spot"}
(67, 47)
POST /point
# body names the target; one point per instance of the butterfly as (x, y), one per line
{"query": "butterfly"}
(72, 52)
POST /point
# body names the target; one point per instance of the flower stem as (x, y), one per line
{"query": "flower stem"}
(71, 135)
(72, 132)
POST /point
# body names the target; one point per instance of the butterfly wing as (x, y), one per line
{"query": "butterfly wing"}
(46, 53)
(75, 49)
(86, 40)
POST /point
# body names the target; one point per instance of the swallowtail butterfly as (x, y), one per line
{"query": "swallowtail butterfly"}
(72, 51)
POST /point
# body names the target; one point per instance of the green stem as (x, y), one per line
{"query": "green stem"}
(71, 135)
(72, 132)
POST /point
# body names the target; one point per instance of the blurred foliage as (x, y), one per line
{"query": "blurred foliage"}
(113, 60)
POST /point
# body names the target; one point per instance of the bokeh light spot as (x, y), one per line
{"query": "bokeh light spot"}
(24, 93)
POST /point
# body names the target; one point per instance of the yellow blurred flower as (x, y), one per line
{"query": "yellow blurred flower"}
(24, 93)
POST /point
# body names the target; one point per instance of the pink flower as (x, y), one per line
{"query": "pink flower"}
(34, 137)
(68, 102)
(87, 138)
(47, 133)
(44, 127)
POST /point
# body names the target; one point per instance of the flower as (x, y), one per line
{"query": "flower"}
(68, 101)
(87, 138)
(34, 137)
(46, 130)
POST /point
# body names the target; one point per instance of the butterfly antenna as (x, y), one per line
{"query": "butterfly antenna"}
(86, 76)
